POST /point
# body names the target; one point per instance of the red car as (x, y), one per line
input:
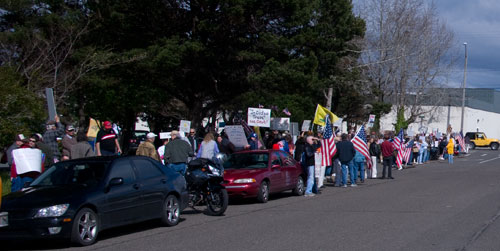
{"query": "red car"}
(262, 172)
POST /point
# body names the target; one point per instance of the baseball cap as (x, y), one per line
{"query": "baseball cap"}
(151, 135)
(70, 128)
(107, 125)
(20, 137)
(253, 135)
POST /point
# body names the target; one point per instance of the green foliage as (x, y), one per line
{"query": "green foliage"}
(188, 59)
(20, 110)
(379, 109)
(401, 122)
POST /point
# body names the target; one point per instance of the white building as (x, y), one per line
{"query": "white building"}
(482, 113)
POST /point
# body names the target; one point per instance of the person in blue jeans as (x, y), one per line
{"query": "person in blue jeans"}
(309, 164)
(346, 152)
(423, 151)
(359, 166)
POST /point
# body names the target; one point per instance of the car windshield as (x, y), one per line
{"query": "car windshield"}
(71, 173)
(247, 160)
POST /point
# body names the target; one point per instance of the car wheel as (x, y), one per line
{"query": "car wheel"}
(299, 187)
(171, 211)
(494, 146)
(85, 227)
(263, 195)
(472, 145)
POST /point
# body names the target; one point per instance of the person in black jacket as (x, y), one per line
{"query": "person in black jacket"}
(300, 145)
(346, 152)
(309, 151)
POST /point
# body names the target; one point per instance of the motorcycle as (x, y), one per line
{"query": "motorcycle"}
(204, 182)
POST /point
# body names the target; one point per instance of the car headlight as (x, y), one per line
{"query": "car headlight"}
(53, 211)
(214, 170)
(244, 181)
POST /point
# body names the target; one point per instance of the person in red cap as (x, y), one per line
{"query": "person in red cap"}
(107, 141)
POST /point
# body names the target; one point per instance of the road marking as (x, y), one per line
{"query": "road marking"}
(488, 160)
(484, 154)
(480, 232)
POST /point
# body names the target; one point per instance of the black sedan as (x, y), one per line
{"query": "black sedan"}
(76, 199)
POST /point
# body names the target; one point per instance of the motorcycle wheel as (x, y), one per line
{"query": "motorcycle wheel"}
(217, 202)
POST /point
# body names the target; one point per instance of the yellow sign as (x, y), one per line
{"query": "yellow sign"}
(93, 128)
(320, 115)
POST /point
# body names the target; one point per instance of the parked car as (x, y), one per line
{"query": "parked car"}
(132, 141)
(77, 199)
(262, 172)
(479, 139)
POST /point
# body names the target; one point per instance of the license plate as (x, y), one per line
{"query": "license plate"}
(4, 219)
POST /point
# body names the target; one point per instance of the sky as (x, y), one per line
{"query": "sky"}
(476, 22)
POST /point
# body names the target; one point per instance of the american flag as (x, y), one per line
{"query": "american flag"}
(398, 140)
(404, 154)
(461, 142)
(359, 142)
(328, 148)
(288, 113)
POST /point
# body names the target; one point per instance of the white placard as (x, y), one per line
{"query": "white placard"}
(27, 160)
(185, 126)
(236, 135)
(338, 123)
(306, 125)
(411, 133)
(259, 117)
(280, 124)
(165, 135)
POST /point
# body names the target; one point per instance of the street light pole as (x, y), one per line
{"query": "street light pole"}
(463, 90)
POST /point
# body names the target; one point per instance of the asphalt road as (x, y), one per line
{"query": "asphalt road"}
(434, 206)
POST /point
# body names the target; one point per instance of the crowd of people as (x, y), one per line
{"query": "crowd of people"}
(349, 166)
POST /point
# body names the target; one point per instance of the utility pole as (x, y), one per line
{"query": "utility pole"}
(463, 89)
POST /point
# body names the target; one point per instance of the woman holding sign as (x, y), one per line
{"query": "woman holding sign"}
(26, 165)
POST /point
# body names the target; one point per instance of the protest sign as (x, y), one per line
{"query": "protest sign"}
(165, 135)
(236, 135)
(338, 123)
(51, 104)
(259, 117)
(280, 124)
(185, 126)
(372, 118)
(27, 160)
(306, 125)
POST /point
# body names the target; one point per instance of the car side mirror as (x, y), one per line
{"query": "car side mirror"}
(275, 166)
(115, 182)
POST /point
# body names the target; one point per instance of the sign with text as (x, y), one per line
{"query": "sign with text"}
(259, 117)
(185, 126)
(338, 123)
(165, 135)
(280, 124)
(306, 125)
(236, 135)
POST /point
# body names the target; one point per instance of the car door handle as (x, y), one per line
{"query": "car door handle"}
(136, 186)
(163, 181)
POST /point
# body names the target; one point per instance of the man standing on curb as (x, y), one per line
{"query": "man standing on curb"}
(177, 153)
(54, 130)
(387, 154)
(147, 148)
(346, 152)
